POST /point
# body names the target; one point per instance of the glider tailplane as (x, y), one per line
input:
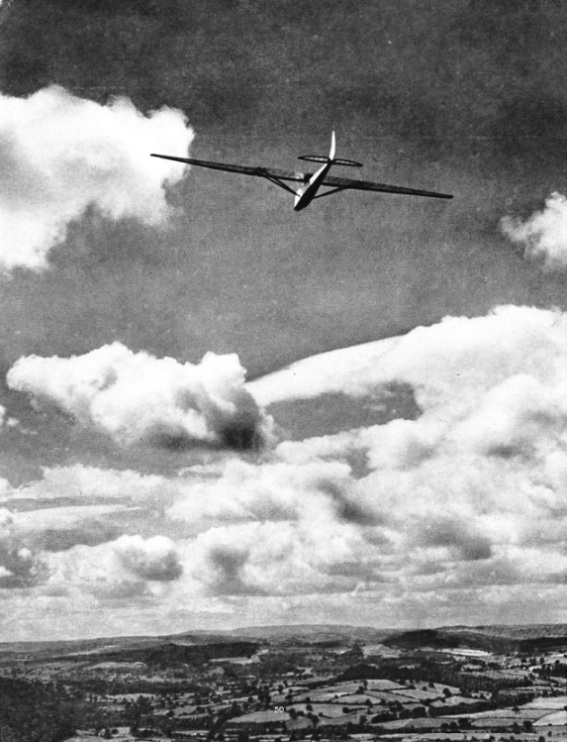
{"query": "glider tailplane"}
(331, 157)
(314, 158)
(349, 163)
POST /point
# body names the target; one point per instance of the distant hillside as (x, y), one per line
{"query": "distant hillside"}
(315, 634)
(201, 646)
(529, 631)
(168, 653)
(186, 648)
(533, 638)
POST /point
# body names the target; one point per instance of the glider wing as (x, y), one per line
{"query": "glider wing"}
(260, 172)
(368, 185)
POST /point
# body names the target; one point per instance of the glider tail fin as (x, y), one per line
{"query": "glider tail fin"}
(333, 147)
(322, 158)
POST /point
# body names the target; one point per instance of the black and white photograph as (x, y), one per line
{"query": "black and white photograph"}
(283, 370)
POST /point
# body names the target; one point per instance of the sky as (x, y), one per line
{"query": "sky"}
(218, 412)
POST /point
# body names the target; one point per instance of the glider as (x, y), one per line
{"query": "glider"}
(311, 181)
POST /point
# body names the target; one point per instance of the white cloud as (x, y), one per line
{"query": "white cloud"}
(60, 154)
(273, 491)
(89, 483)
(448, 363)
(73, 518)
(152, 559)
(19, 565)
(458, 514)
(469, 494)
(116, 570)
(276, 558)
(9, 423)
(543, 235)
(6, 521)
(135, 397)
(481, 472)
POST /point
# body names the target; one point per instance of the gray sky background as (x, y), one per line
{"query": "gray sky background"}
(462, 97)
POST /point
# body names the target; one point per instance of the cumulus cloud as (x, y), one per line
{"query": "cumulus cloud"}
(120, 569)
(6, 520)
(60, 154)
(479, 477)
(151, 559)
(543, 235)
(273, 491)
(276, 558)
(455, 533)
(135, 397)
(9, 423)
(19, 565)
(76, 549)
(458, 514)
(448, 365)
(468, 496)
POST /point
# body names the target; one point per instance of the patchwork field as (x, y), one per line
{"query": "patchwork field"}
(292, 693)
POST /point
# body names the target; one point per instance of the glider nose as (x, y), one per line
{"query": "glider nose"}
(301, 202)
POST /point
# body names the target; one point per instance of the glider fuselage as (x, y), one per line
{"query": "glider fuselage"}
(306, 194)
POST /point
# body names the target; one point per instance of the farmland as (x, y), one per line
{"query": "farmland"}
(317, 683)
